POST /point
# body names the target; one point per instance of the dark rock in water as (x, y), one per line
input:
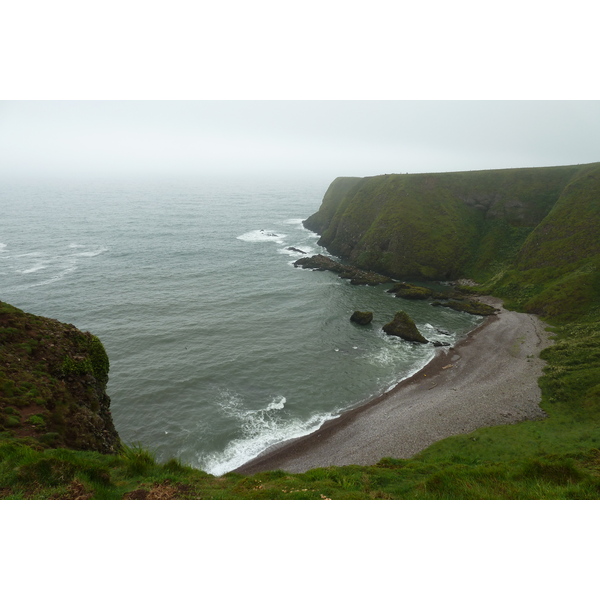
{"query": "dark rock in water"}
(469, 306)
(362, 318)
(404, 327)
(356, 276)
(438, 344)
(408, 291)
(296, 250)
(411, 292)
(443, 331)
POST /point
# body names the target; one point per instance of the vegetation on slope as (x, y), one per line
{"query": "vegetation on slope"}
(535, 243)
(27, 472)
(438, 226)
(53, 383)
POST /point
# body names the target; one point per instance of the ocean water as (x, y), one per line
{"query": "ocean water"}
(219, 347)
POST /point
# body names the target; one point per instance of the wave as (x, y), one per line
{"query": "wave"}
(91, 253)
(34, 269)
(261, 429)
(434, 334)
(2, 247)
(416, 367)
(298, 223)
(262, 235)
(61, 275)
(62, 264)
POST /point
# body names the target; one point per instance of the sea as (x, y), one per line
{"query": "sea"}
(220, 348)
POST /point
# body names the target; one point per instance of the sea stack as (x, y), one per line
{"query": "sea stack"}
(361, 318)
(404, 327)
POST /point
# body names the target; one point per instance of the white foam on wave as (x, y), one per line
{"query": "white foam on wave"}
(384, 356)
(417, 366)
(35, 268)
(61, 275)
(90, 253)
(277, 404)
(298, 223)
(433, 334)
(261, 429)
(61, 265)
(395, 351)
(262, 235)
(2, 247)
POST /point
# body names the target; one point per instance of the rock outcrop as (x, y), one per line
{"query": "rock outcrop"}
(528, 235)
(409, 291)
(472, 307)
(53, 384)
(404, 327)
(361, 317)
(356, 276)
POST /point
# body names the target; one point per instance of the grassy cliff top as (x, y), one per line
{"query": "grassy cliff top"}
(530, 235)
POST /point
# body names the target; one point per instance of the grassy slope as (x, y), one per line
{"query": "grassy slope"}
(542, 258)
(436, 226)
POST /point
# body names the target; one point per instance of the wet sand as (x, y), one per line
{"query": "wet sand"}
(489, 378)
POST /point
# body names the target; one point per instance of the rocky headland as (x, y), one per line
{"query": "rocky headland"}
(356, 276)
(53, 384)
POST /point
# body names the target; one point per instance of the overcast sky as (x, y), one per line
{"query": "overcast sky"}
(300, 138)
(73, 92)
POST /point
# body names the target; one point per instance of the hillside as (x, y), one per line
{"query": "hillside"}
(531, 228)
(528, 236)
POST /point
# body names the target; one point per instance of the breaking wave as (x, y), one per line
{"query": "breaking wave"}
(260, 430)
(262, 235)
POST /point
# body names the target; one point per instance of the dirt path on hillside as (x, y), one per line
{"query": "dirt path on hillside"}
(489, 378)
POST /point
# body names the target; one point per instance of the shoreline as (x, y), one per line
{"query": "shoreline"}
(488, 378)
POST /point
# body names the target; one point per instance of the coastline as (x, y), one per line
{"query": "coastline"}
(488, 378)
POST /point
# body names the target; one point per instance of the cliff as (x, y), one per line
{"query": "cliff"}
(533, 234)
(53, 384)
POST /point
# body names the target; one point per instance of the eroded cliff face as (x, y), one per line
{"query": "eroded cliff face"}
(437, 226)
(53, 384)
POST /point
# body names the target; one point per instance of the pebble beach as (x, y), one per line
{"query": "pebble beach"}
(488, 378)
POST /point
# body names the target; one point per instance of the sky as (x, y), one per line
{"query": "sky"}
(325, 139)
(314, 89)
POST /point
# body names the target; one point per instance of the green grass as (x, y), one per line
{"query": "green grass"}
(440, 225)
(554, 458)
(27, 472)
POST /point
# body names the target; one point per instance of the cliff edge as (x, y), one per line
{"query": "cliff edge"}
(530, 234)
(53, 384)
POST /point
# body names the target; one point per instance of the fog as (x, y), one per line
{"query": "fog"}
(290, 138)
